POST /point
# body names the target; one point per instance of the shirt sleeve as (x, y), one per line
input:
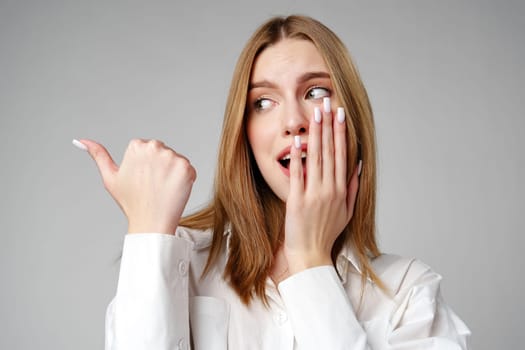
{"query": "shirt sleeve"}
(322, 318)
(423, 320)
(150, 308)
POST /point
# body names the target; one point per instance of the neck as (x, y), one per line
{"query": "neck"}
(279, 271)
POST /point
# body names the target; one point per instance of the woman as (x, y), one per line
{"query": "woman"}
(285, 256)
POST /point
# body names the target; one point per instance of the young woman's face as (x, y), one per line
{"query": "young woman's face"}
(288, 80)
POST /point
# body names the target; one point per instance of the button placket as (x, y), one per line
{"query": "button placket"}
(280, 318)
(283, 318)
(183, 267)
(182, 345)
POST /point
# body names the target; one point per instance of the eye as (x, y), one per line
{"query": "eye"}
(317, 93)
(262, 104)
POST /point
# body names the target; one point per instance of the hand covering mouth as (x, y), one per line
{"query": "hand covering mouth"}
(285, 160)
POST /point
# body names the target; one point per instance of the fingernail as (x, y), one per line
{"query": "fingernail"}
(326, 105)
(317, 115)
(340, 115)
(79, 145)
(359, 167)
(297, 141)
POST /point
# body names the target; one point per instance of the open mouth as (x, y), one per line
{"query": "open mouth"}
(285, 161)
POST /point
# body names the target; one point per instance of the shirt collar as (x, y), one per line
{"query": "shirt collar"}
(346, 258)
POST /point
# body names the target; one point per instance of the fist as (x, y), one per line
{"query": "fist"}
(152, 185)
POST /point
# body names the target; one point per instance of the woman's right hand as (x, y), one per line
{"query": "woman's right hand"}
(151, 186)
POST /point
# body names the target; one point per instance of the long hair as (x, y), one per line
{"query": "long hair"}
(243, 200)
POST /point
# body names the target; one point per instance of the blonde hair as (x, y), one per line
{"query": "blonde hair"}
(241, 196)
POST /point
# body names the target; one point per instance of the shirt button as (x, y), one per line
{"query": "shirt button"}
(183, 267)
(182, 344)
(281, 318)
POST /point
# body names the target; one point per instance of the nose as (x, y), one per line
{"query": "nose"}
(295, 121)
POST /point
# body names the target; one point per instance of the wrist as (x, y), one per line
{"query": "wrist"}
(150, 228)
(301, 262)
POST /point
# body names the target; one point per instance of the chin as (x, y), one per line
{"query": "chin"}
(282, 195)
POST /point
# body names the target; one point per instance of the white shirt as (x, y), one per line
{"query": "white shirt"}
(162, 303)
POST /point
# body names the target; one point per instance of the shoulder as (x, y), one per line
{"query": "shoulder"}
(402, 273)
(419, 307)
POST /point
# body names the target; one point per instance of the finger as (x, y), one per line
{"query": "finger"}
(353, 188)
(296, 168)
(314, 157)
(102, 158)
(327, 142)
(155, 144)
(340, 149)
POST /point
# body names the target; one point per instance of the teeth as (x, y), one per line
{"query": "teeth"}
(286, 157)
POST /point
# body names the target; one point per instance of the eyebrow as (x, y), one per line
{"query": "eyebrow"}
(303, 78)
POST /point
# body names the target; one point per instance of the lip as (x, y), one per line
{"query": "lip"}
(285, 151)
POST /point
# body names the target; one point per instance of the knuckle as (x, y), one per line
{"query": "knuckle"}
(324, 196)
(331, 194)
(184, 164)
(155, 144)
(167, 153)
(340, 192)
(189, 170)
(150, 145)
(135, 143)
(192, 174)
(97, 152)
(317, 158)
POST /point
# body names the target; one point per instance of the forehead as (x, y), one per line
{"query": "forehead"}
(289, 57)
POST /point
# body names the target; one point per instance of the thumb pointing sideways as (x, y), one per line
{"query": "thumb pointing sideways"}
(101, 156)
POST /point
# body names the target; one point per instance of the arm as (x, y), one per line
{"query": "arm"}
(150, 309)
(423, 320)
(152, 187)
(323, 317)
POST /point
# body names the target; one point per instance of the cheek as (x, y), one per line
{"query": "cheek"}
(335, 103)
(259, 136)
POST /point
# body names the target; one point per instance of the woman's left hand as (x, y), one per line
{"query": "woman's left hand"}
(320, 204)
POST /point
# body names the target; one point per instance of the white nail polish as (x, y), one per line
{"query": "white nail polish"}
(326, 105)
(317, 115)
(340, 115)
(359, 167)
(79, 144)
(297, 141)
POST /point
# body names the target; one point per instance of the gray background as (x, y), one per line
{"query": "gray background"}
(445, 79)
